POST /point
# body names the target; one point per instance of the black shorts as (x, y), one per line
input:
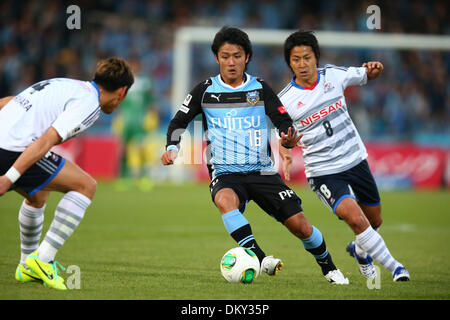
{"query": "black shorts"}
(269, 192)
(357, 183)
(37, 176)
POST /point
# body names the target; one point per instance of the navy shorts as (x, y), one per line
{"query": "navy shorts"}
(269, 192)
(37, 176)
(357, 183)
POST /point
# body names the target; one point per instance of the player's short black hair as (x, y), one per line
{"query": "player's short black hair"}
(301, 38)
(233, 36)
(113, 73)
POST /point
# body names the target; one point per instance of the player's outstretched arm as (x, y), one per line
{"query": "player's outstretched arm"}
(35, 151)
(4, 101)
(373, 69)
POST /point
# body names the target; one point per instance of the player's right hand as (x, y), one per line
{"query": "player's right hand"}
(169, 157)
(5, 184)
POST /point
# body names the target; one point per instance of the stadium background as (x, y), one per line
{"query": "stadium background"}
(404, 117)
(166, 243)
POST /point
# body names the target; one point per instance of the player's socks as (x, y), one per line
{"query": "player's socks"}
(31, 221)
(239, 229)
(315, 244)
(359, 251)
(69, 213)
(371, 242)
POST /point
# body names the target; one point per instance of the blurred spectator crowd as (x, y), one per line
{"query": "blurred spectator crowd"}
(410, 102)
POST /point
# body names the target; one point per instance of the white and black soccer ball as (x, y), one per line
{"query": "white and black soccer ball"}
(239, 265)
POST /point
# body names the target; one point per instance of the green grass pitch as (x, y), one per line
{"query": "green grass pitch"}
(167, 244)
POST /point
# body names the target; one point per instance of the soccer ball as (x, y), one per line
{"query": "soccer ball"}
(239, 265)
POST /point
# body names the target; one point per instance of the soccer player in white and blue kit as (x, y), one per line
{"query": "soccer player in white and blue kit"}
(335, 157)
(236, 109)
(31, 123)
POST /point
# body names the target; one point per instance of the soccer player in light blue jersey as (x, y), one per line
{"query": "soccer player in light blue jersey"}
(236, 109)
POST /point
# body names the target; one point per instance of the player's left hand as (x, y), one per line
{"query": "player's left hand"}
(373, 69)
(168, 157)
(291, 139)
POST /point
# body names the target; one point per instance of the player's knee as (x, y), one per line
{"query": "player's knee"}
(226, 200)
(92, 188)
(356, 221)
(88, 187)
(376, 222)
(299, 226)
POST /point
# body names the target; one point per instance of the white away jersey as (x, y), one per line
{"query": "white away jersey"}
(70, 106)
(320, 114)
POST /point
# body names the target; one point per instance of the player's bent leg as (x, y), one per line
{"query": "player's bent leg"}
(373, 213)
(79, 188)
(72, 178)
(349, 210)
(314, 243)
(227, 201)
(372, 243)
(299, 226)
(369, 242)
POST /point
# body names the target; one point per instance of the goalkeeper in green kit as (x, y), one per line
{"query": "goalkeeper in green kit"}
(132, 124)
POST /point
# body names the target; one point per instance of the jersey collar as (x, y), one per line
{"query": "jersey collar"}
(295, 84)
(244, 81)
(96, 88)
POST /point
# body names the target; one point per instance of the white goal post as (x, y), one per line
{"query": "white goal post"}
(186, 36)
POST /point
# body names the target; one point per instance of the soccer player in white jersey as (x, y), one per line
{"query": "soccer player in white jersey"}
(31, 123)
(335, 157)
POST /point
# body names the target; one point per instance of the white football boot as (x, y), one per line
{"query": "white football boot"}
(271, 265)
(336, 277)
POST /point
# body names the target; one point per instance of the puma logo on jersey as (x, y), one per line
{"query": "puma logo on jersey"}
(216, 97)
